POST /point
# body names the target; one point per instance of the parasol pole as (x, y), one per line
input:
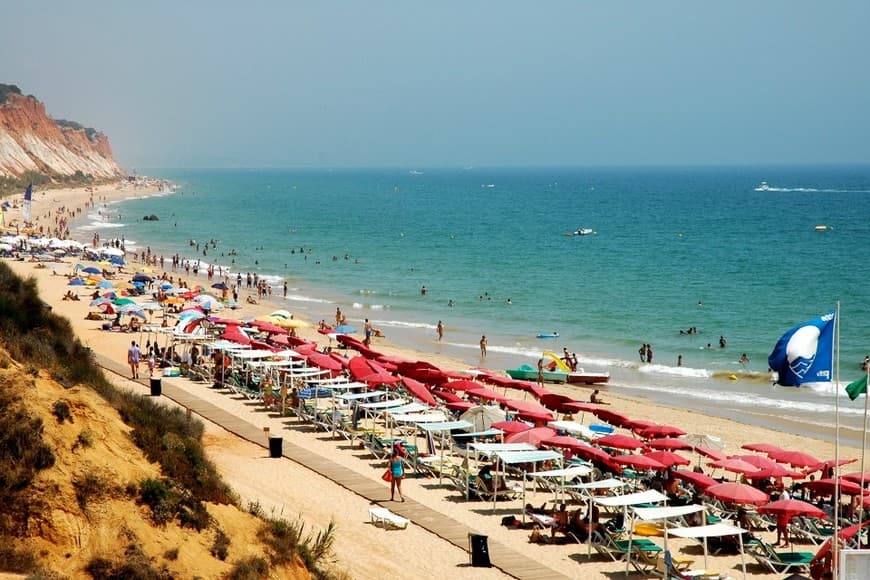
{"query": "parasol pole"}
(836, 346)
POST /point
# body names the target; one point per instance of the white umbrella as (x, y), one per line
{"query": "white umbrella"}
(483, 416)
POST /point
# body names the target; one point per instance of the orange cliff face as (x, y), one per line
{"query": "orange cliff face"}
(30, 140)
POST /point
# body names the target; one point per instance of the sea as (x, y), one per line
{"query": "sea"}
(670, 249)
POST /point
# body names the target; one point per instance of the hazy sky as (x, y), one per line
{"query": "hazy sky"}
(414, 84)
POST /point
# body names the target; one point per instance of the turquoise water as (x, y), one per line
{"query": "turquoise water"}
(672, 249)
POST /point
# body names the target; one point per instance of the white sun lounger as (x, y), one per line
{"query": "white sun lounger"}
(385, 518)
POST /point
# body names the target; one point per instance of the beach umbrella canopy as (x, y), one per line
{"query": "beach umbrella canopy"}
(483, 416)
(419, 390)
(529, 411)
(92, 270)
(735, 466)
(131, 309)
(638, 425)
(619, 441)
(98, 301)
(578, 407)
(846, 534)
(76, 282)
(791, 508)
(640, 462)
(360, 366)
(661, 431)
(762, 447)
(290, 322)
(344, 329)
(795, 458)
(612, 417)
(667, 458)
(701, 480)
(123, 301)
(281, 314)
(669, 444)
(511, 426)
(857, 477)
(776, 471)
(108, 307)
(831, 463)
(323, 361)
(461, 385)
(220, 286)
(827, 485)
(740, 493)
(267, 327)
(533, 436)
(711, 453)
(486, 394)
(564, 441)
(105, 284)
(139, 277)
(151, 306)
(557, 403)
(380, 378)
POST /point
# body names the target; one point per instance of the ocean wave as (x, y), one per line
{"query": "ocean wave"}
(405, 324)
(301, 298)
(100, 225)
(675, 371)
(814, 190)
(361, 306)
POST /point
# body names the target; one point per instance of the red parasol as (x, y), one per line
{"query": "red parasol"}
(777, 472)
(532, 436)
(264, 326)
(824, 466)
(461, 385)
(612, 417)
(857, 477)
(661, 431)
(846, 534)
(737, 493)
(578, 407)
(791, 508)
(667, 458)
(323, 361)
(735, 466)
(618, 441)
(762, 447)
(701, 480)
(639, 461)
(557, 403)
(794, 458)
(447, 396)
(669, 443)
(486, 394)
(529, 411)
(711, 453)
(460, 405)
(419, 390)
(638, 425)
(564, 441)
(828, 484)
(511, 426)
(381, 378)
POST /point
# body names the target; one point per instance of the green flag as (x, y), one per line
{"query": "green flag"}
(857, 388)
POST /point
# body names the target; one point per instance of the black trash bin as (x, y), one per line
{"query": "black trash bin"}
(276, 447)
(478, 545)
(156, 387)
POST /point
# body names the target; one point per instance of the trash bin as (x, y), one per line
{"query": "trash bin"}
(276, 447)
(478, 546)
(156, 387)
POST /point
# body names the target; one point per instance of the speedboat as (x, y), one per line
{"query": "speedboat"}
(763, 187)
(583, 231)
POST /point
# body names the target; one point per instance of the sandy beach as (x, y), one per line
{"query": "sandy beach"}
(283, 487)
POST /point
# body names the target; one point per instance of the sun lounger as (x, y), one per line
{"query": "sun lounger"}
(381, 516)
(780, 562)
(812, 529)
(613, 547)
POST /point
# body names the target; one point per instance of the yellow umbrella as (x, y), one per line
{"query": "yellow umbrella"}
(290, 323)
(281, 314)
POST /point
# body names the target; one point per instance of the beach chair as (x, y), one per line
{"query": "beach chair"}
(812, 529)
(381, 516)
(678, 568)
(611, 545)
(487, 494)
(780, 562)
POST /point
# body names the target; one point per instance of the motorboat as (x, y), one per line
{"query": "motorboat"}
(583, 231)
(763, 187)
(823, 228)
(528, 373)
(581, 377)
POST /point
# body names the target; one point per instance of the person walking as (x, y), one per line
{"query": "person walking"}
(134, 355)
(397, 471)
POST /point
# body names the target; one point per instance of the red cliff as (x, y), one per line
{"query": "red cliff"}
(30, 140)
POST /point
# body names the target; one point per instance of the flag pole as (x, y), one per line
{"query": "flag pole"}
(864, 440)
(835, 543)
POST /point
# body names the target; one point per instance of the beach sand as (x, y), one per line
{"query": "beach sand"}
(285, 488)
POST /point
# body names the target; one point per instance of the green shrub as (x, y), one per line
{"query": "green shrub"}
(85, 439)
(90, 487)
(171, 554)
(221, 545)
(251, 568)
(60, 409)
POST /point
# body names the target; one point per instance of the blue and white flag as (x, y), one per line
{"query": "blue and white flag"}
(28, 193)
(805, 354)
(28, 197)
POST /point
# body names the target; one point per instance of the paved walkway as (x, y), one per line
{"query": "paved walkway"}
(505, 559)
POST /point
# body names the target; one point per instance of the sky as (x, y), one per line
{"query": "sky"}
(452, 83)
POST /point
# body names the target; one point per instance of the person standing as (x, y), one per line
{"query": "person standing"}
(483, 346)
(133, 357)
(642, 352)
(368, 332)
(439, 330)
(285, 288)
(679, 360)
(649, 353)
(541, 372)
(397, 471)
(722, 342)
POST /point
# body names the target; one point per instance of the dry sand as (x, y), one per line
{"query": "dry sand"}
(283, 487)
